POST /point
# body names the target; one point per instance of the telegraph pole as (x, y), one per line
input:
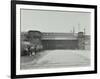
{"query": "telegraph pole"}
(84, 31)
(73, 30)
(79, 27)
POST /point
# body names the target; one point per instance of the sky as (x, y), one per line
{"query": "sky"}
(54, 21)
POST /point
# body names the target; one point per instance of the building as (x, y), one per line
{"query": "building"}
(70, 41)
(59, 41)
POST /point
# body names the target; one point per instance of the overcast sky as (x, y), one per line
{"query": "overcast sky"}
(54, 21)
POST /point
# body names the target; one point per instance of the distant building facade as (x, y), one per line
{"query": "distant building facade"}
(59, 41)
(52, 40)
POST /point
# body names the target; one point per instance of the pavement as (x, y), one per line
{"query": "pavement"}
(57, 58)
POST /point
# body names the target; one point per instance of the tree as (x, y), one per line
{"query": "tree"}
(34, 37)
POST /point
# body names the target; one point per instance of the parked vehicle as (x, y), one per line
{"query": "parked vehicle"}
(29, 49)
(25, 48)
